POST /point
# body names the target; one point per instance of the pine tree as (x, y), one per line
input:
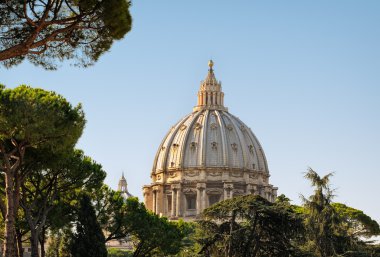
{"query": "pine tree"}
(88, 240)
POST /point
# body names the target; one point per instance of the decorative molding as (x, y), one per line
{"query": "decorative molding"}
(192, 173)
(228, 186)
(230, 127)
(253, 175)
(215, 173)
(189, 191)
(214, 191)
(238, 192)
(213, 126)
(172, 174)
(237, 174)
(175, 186)
(201, 186)
(183, 127)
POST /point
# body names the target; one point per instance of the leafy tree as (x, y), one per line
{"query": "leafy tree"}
(44, 31)
(88, 239)
(249, 226)
(53, 183)
(31, 119)
(112, 252)
(110, 207)
(355, 223)
(152, 235)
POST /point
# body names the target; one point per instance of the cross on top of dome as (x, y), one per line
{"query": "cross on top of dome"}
(210, 94)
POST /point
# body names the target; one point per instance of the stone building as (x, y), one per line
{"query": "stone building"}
(208, 156)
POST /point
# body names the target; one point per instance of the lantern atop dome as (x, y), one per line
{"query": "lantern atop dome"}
(210, 94)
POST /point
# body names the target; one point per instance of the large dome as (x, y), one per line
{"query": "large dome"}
(210, 139)
(208, 156)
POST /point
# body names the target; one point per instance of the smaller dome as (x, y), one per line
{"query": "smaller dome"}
(123, 187)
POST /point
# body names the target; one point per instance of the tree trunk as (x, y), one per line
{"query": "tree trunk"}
(10, 235)
(34, 242)
(232, 222)
(42, 242)
(20, 250)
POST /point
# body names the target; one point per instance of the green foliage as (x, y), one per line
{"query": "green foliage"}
(33, 122)
(249, 226)
(111, 213)
(152, 234)
(112, 252)
(50, 31)
(88, 239)
(39, 119)
(321, 221)
(355, 223)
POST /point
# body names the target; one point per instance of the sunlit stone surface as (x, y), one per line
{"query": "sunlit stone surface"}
(208, 156)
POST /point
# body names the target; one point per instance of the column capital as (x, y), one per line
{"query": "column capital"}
(176, 186)
(201, 185)
(228, 186)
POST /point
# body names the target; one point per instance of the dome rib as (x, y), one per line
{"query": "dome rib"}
(224, 138)
(172, 132)
(239, 137)
(185, 148)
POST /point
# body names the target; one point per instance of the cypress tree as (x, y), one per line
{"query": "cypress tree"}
(88, 240)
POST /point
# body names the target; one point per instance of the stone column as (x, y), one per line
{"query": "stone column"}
(173, 202)
(200, 197)
(179, 203)
(227, 190)
(203, 200)
(154, 201)
(156, 190)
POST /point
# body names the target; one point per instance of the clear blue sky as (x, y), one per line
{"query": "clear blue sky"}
(304, 75)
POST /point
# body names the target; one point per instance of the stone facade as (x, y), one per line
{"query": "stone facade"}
(208, 156)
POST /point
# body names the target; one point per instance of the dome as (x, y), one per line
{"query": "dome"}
(210, 138)
(208, 156)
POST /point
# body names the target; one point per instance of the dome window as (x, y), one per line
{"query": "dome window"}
(214, 145)
(197, 126)
(250, 147)
(234, 146)
(193, 145)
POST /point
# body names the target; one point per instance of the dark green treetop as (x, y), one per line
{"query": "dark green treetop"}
(46, 31)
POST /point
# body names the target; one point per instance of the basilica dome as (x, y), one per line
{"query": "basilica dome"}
(210, 138)
(208, 156)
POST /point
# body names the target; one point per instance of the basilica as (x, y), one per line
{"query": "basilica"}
(210, 155)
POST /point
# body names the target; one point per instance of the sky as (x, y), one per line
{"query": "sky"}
(303, 75)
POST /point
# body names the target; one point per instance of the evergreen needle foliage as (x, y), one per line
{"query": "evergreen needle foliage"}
(88, 239)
